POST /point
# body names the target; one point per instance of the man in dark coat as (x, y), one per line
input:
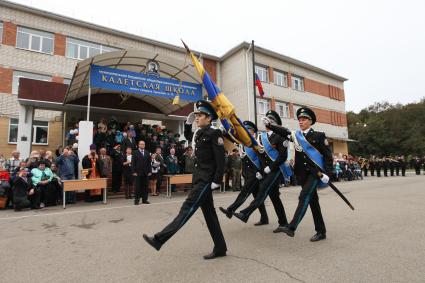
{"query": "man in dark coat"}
(307, 141)
(207, 176)
(142, 169)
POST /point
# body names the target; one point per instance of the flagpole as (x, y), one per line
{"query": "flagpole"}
(253, 83)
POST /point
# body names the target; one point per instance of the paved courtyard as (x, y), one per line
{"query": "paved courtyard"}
(381, 241)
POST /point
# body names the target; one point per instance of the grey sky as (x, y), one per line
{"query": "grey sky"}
(378, 45)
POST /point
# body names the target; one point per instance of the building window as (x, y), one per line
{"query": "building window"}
(40, 131)
(297, 83)
(35, 40)
(262, 73)
(296, 107)
(280, 78)
(67, 81)
(282, 109)
(263, 106)
(13, 130)
(17, 75)
(1, 31)
(80, 49)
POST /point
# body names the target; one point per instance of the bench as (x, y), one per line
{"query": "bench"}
(184, 179)
(89, 184)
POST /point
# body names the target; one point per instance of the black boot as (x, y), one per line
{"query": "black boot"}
(318, 237)
(228, 213)
(153, 242)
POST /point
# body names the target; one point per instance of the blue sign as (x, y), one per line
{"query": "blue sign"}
(139, 83)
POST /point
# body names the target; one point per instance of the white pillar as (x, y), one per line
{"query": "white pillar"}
(26, 118)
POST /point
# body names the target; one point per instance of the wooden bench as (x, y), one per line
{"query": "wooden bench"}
(89, 184)
(184, 179)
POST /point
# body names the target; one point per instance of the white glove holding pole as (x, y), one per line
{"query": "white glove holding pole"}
(267, 170)
(190, 118)
(266, 121)
(324, 179)
(258, 176)
(214, 186)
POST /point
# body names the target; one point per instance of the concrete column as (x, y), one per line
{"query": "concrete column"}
(26, 118)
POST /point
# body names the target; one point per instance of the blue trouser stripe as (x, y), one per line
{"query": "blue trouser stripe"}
(195, 204)
(306, 202)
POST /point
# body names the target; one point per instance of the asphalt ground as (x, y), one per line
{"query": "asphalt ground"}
(383, 240)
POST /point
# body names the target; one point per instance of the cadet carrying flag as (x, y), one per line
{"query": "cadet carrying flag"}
(225, 111)
(259, 85)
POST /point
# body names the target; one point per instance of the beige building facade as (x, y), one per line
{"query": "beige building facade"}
(43, 46)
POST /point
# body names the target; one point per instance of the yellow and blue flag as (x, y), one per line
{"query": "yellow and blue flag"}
(225, 110)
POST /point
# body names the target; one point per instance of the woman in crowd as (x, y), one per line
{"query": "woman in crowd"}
(41, 180)
(127, 173)
(156, 166)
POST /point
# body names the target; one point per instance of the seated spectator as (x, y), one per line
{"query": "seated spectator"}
(13, 163)
(41, 180)
(5, 189)
(22, 191)
(32, 161)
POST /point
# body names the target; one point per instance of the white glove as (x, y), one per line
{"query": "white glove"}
(324, 179)
(266, 121)
(214, 186)
(267, 170)
(190, 118)
(258, 176)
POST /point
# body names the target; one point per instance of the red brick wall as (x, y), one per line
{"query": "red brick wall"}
(291, 110)
(6, 78)
(57, 79)
(211, 67)
(289, 80)
(60, 44)
(319, 88)
(273, 104)
(9, 33)
(331, 117)
(271, 77)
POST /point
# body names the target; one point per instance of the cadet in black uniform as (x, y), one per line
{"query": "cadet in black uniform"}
(307, 174)
(378, 166)
(251, 171)
(397, 165)
(270, 185)
(386, 165)
(372, 166)
(402, 166)
(392, 165)
(207, 176)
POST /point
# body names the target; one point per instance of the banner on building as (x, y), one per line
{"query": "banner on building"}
(144, 84)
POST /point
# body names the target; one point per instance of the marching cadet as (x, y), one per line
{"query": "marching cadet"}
(207, 176)
(312, 154)
(274, 159)
(365, 166)
(251, 171)
(378, 166)
(417, 165)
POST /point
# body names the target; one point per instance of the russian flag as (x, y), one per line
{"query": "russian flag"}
(259, 86)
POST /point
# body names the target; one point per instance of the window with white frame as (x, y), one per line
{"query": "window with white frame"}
(262, 73)
(1, 31)
(80, 49)
(40, 131)
(280, 78)
(297, 83)
(17, 75)
(13, 130)
(263, 106)
(35, 40)
(296, 107)
(282, 109)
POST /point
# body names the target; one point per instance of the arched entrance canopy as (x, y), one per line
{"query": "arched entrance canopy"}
(134, 61)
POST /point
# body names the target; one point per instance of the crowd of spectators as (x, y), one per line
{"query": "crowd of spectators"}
(36, 182)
